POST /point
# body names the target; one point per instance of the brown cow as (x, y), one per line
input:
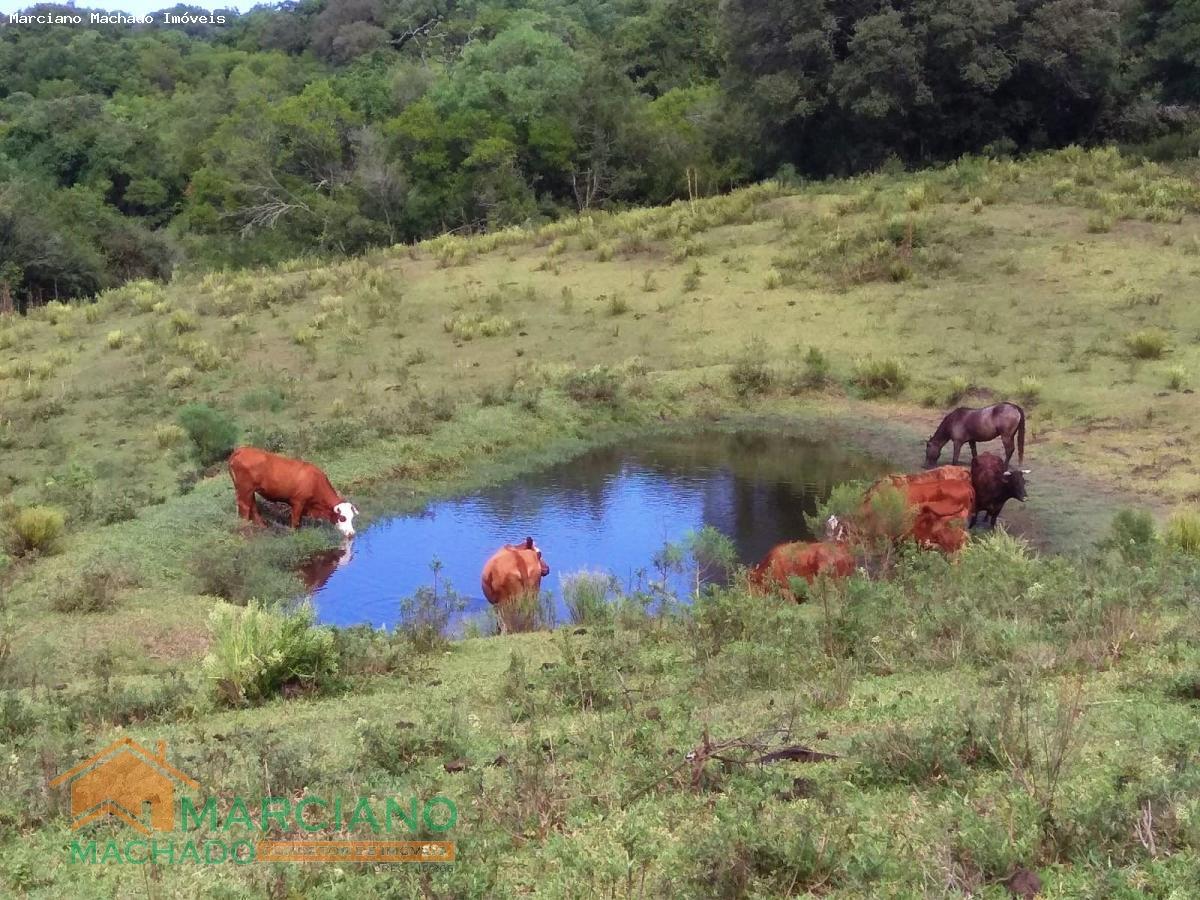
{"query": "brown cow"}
(802, 559)
(301, 485)
(937, 497)
(994, 484)
(513, 572)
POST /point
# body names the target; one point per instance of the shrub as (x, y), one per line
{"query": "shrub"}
(35, 529)
(750, 373)
(598, 384)
(814, 373)
(1182, 532)
(168, 436)
(182, 321)
(1177, 378)
(1029, 389)
(94, 589)
(213, 434)
(948, 393)
(115, 339)
(263, 399)
(239, 570)
(256, 652)
(587, 597)
(1147, 344)
(617, 305)
(1132, 534)
(425, 617)
(179, 376)
(880, 377)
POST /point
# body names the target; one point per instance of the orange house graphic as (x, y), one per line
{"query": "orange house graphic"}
(123, 780)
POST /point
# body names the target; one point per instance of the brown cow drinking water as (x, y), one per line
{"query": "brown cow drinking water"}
(969, 426)
(301, 485)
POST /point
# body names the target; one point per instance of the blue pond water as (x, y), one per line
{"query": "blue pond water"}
(609, 510)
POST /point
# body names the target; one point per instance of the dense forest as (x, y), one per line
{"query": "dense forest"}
(328, 127)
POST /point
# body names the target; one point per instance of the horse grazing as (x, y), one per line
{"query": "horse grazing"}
(968, 426)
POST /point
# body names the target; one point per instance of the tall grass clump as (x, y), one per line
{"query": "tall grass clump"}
(1148, 343)
(588, 597)
(880, 377)
(750, 373)
(35, 530)
(1182, 532)
(1133, 535)
(94, 589)
(255, 653)
(813, 374)
(425, 617)
(213, 434)
(1177, 378)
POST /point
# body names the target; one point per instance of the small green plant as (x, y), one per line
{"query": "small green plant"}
(168, 436)
(1133, 535)
(179, 376)
(213, 434)
(691, 280)
(425, 617)
(1148, 343)
(1182, 532)
(182, 321)
(773, 279)
(598, 384)
(115, 339)
(255, 653)
(94, 589)
(1099, 223)
(35, 530)
(617, 305)
(1029, 389)
(750, 373)
(1177, 378)
(813, 374)
(588, 597)
(880, 377)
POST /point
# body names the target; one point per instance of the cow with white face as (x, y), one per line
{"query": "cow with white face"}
(301, 485)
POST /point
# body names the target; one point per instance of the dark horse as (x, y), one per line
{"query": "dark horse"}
(966, 426)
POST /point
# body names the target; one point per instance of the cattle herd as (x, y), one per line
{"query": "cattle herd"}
(940, 504)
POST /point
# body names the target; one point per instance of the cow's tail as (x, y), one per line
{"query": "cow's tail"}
(1021, 438)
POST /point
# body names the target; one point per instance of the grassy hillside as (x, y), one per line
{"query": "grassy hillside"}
(1015, 710)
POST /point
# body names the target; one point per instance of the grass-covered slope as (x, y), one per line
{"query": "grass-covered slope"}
(1013, 710)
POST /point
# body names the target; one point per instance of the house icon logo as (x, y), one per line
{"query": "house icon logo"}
(124, 779)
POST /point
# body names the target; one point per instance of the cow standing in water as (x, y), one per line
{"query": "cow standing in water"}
(969, 426)
(301, 485)
(513, 573)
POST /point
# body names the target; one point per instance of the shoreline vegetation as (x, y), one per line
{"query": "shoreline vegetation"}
(1026, 710)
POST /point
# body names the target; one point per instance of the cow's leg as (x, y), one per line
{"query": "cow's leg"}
(248, 507)
(297, 512)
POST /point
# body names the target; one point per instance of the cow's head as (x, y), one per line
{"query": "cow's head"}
(343, 518)
(1014, 484)
(835, 529)
(530, 545)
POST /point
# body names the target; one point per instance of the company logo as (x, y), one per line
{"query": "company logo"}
(129, 782)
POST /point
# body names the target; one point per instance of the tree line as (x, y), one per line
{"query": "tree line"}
(331, 126)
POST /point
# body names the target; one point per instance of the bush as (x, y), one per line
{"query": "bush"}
(168, 436)
(256, 652)
(182, 321)
(1147, 344)
(213, 434)
(94, 589)
(115, 339)
(598, 384)
(1133, 535)
(35, 529)
(240, 570)
(1182, 532)
(750, 373)
(179, 376)
(1029, 389)
(1177, 378)
(814, 374)
(425, 617)
(587, 597)
(880, 377)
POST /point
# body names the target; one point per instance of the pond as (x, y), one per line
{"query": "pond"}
(611, 510)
